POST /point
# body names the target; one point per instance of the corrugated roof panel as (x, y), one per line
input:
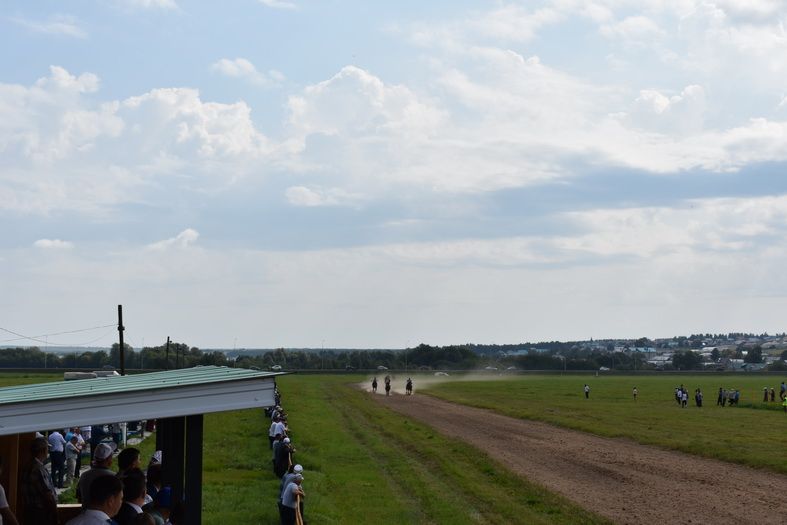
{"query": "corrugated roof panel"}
(130, 383)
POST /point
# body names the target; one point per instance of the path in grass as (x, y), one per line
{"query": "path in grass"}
(364, 465)
(616, 478)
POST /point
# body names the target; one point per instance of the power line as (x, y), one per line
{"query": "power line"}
(38, 339)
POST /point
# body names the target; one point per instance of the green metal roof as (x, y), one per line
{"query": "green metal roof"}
(199, 375)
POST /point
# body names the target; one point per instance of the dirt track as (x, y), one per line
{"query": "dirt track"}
(621, 480)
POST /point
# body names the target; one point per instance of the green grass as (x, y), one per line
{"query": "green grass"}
(369, 461)
(748, 434)
(363, 464)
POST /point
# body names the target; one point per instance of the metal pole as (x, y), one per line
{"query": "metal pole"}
(166, 366)
(120, 336)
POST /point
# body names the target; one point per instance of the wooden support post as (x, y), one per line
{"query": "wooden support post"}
(193, 474)
(173, 434)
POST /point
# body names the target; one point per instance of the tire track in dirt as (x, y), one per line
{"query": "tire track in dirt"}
(624, 481)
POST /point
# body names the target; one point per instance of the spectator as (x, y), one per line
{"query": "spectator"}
(160, 508)
(72, 452)
(287, 479)
(773, 395)
(153, 481)
(281, 460)
(106, 497)
(81, 447)
(39, 498)
(102, 461)
(290, 500)
(8, 517)
(128, 459)
(635, 393)
(133, 496)
(57, 457)
(587, 391)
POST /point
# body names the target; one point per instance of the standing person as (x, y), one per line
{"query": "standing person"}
(698, 398)
(72, 451)
(587, 391)
(7, 516)
(685, 398)
(133, 496)
(784, 404)
(374, 385)
(782, 391)
(387, 385)
(765, 394)
(39, 497)
(106, 498)
(773, 395)
(723, 398)
(81, 448)
(635, 393)
(102, 461)
(720, 399)
(129, 458)
(57, 457)
(282, 460)
(409, 387)
(290, 499)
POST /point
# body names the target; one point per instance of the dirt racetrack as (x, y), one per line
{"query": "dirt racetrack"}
(621, 480)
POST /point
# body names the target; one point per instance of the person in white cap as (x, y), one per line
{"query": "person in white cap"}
(102, 461)
(287, 479)
(282, 460)
(289, 500)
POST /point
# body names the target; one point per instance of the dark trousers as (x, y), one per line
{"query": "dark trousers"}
(287, 515)
(58, 467)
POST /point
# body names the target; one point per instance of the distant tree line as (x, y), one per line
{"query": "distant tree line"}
(542, 356)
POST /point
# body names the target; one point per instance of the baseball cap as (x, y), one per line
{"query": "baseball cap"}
(297, 469)
(286, 440)
(104, 450)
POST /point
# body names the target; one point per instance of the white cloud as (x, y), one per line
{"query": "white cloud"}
(63, 25)
(150, 4)
(182, 240)
(278, 4)
(242, 68)
(53, 244)
(304, 196)
(639, 29)
(66, 149)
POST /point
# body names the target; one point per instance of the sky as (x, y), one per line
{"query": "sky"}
(293, 173)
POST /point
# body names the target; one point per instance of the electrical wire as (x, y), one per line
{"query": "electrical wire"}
(38, 339)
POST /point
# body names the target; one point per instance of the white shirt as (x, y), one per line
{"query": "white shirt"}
(90, 517)
(56, 442)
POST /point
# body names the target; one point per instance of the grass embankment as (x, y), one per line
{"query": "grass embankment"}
(751, 433)
(363, 464)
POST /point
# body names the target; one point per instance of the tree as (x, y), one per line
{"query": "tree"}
(687, 360)
(754, 355)
(715, 354)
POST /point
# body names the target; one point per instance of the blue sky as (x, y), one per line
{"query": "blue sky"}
(367, 174)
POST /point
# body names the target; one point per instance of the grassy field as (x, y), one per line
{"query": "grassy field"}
(751, 433)
(363, 464)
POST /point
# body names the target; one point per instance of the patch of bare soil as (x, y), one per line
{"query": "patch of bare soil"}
(621, 480)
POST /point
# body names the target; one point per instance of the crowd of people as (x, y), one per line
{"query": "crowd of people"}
(290, 499)
(123, 494)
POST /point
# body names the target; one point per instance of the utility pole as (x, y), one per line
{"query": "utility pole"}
(166, 366)
(120, 336)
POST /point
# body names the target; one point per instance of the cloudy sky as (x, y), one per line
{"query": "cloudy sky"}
(267, 173)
